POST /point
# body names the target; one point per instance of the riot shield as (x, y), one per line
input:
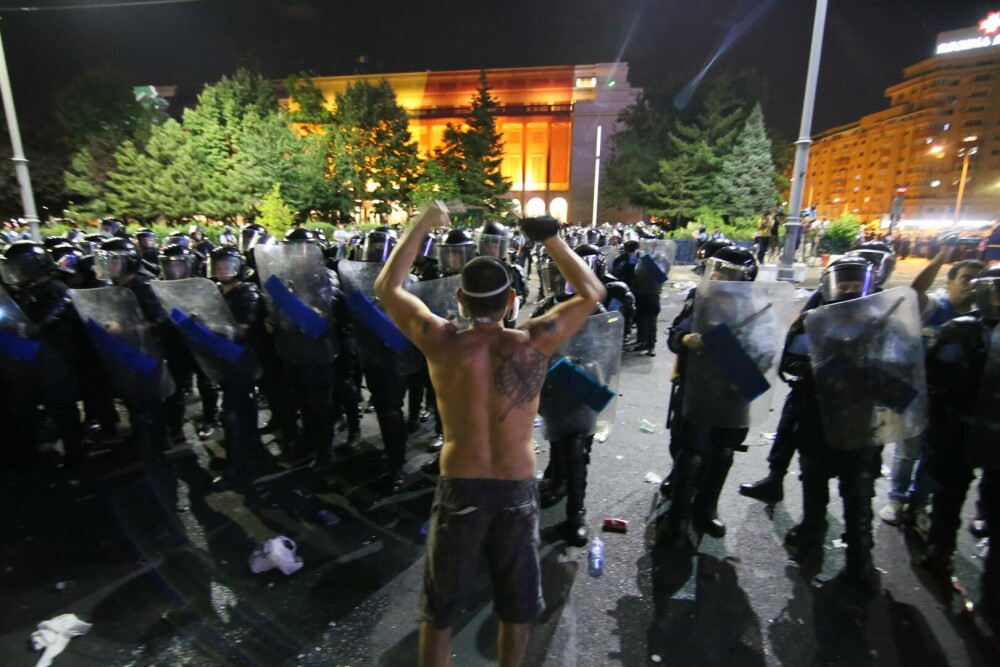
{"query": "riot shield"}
(440, 295)
(19, 351)
(867, 359)
(201, 316)
(124, 342)
(728, 383)
(299, 297)
(983, 444)
(659, 256)
(580, 391)
(357, 279)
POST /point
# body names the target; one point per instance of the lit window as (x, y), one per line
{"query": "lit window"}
(535, 207)
(586, 82)
(559, 208)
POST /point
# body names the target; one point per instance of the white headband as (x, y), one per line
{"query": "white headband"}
(479, 295)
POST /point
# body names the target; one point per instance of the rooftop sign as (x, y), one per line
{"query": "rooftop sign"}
(986, 35)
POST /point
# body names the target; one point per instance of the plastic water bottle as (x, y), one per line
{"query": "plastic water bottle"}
(596, 557)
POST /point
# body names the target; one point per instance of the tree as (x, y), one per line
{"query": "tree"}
(435, 182)
(275, 215)
(473, 152)
(102, 103)
(308, 100)
(746, 180)
(375, 157)
(685, 182)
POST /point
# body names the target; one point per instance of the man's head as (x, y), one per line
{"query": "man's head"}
(987, 294)
(961, 292)
(486, 294)
(849, 277)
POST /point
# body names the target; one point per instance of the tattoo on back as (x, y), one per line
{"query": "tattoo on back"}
(518, 374)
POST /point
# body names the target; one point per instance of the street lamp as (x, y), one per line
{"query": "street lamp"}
(20, 162)
(965, 153)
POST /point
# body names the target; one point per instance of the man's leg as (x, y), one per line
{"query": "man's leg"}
(435, 645)
(770, 489)
(512, 639)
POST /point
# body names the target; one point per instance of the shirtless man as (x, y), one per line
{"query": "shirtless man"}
(487, 380)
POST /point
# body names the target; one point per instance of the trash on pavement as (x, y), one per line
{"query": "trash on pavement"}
(277, 552)
(769, 436)
(653, 478)
(53, 636)
(839, 543)
(614, 525)
(647, 426)
(328, 518)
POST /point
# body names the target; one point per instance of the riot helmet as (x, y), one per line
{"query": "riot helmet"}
(91, 242)
(987, 287)
(731, 263)
(593, 257)
(117, 258)
(593, 236)
(707, 249)
(379, 244)
(226, 264)
(321, 237)
(146, 239)
(882, 257)
(428, 247)
(71, 258)
(847, 278)
(112, 227)
(50, 242)
(454, 251)
(178, 238)
(74, 235)
(251, 235)
(301, 235)
(197, 232)
(177, 262)
(25, 262)
(554, 282)
(493, 240)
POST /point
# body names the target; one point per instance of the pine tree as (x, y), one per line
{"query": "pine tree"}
(684, 182)
(276, 216)
(746, 180)
(473, 152)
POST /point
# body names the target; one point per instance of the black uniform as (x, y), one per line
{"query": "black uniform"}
(955, 361)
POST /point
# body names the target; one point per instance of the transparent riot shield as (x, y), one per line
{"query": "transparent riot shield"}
(19, 351)
(867, 359)
(440, 295)
(299, 298)
(124, 342)
(729, 382)
(983, 444)
(201, 316)
(579, 396)
(357, 280)
(656, 258)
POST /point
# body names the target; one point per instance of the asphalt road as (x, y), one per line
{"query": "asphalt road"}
(176, 589)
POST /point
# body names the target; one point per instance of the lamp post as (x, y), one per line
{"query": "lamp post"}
(20, 162)
(961, 183)
(794, 220)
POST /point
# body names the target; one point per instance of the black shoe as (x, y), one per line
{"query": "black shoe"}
(425, 416)
(433, 468)
(712, 527)
(270, 427)
(228, 482)
(803, 540)
(665, 487)
(207, 429)
(551, 495)
(863, 576)
(577, 535)
(650, 353)
(436, 444)
(351, 444)
(979, 528)
(769, 490)
(396, 481)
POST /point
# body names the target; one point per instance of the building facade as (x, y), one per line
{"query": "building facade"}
(938, 142)
(548, 116)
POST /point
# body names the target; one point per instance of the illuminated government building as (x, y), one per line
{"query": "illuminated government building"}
(941, 132)
(548, 116)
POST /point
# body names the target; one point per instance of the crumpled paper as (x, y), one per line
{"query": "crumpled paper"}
(54, 634)
(277, 552)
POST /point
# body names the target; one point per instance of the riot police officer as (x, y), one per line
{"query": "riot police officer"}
(963, 372)
(148, 249)
(620, 297)
(493, 240)
(703, 453)
(112, 227)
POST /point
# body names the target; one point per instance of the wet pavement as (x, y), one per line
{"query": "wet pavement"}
(167, 582)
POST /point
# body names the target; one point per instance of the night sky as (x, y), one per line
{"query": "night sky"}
(867, 44)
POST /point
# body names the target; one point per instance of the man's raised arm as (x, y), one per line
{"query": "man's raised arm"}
(409, 313)
(558, 325)
(925, 279)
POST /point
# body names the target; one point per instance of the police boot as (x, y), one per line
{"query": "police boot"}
(687, 475)
(552, 486)
(577, 453)
(860, 570)
(769, 490)
(392, 425)
(705, 513)
(806, 539)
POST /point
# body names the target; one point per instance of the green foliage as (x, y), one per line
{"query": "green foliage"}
(276, 216)
(746, 180)
(376, 157)
(472, 154)
(684, 182)
(312, 106)
(840, 234)
(102, 104)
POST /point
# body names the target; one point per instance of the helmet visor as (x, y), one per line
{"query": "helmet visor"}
(175, 268)
(146, 241)
(110, 264)
(224, 269)
(883, 262)
(248, 239)
(988, 298)
(451, 258)
(492, 245)
(378, 247)
(12, 273)
(555, 284)
(849, 281)
(716, 269)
